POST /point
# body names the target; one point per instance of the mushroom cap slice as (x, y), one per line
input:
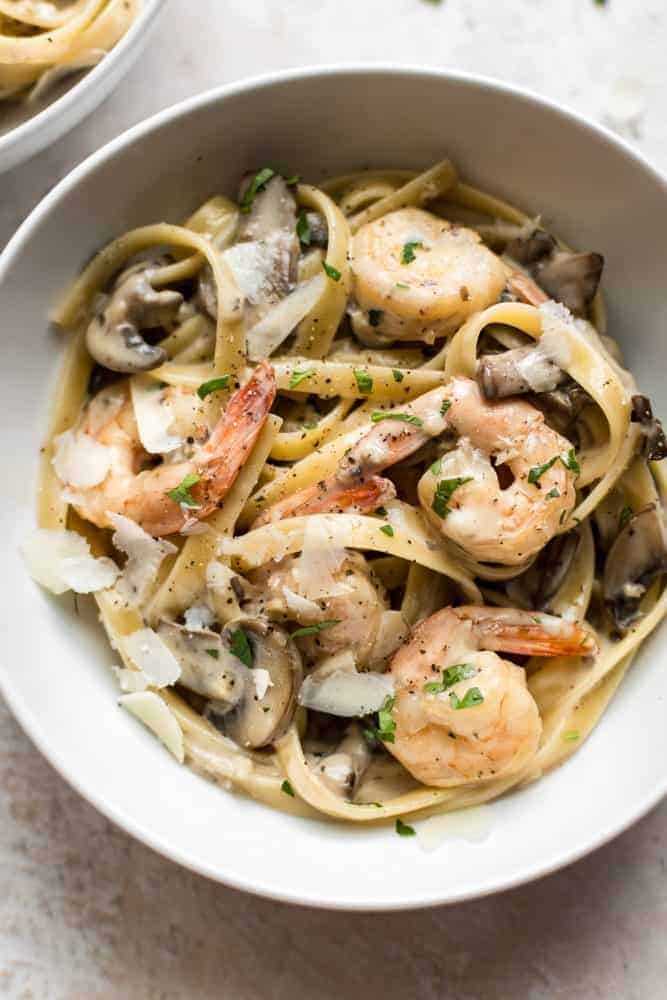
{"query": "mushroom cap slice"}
(207, 667)
(516, 372)
(637, 556)
(114, 337)
(256, 722)
(571, 278)
(541, 581)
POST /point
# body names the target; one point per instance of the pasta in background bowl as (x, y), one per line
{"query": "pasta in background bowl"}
(374, 393)
(58, 61)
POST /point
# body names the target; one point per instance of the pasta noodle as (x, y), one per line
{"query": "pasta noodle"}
(353, 449)
(42, 41)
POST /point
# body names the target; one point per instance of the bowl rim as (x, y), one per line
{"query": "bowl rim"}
(22, 711)
(24, 133)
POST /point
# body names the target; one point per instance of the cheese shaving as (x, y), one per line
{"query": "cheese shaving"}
(61, 560)
(144, 558)
(154, 416)
(79, 460)
(151, 655)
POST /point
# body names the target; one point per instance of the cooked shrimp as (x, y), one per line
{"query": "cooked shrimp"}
(463, 713)
(344, 591)
(500, 494)
(143, 494)
(420, 277)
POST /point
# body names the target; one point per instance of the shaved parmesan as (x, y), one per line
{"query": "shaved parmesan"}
(158, 717)
(345, 693)
(198, 618)
(299, 606)
(263, 339)
(393, 631)
(79, 460)
(253, 264)
(62, 560)
(262, 681)
(150, 654)
(130, 680)
(154, 416)
(144, 557)
(319, 561)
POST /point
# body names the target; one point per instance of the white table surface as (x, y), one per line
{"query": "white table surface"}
(86, 913)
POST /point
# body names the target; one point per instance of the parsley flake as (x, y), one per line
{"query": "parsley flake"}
(257, 184)
(443, 494)
(553, 494)
(571, 735)
(470, 699)
(570, 462)
(363, 380)
(404, 829)
(292, 181)
(181, 494)
(450, 676)
(240, 647)
(409, 248)
(398, 375)
(314, 629)
(213, 384)
(298, 376)
(303, 229)
(406, 418)
(387, 530)
(287, 788)
(624, 517)
(386, 727)
(331, 271)
(444, 406)
(214, 653)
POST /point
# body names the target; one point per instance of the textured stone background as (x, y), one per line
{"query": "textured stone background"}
(88, 914)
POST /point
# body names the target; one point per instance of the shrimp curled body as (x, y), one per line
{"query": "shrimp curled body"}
(141, 493)
(476, 720)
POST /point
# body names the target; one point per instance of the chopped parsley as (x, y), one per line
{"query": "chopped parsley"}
(450, 676)
(287, 788)
(624, 517)
(331, 271)
(215, 653)
(436, 468)
(303, 228)
(298, 376)
(387, 530)
(181, 494)
(571, 735)
(444, 406)
(292, 181)
(443, 494)
(375, 316)
(257, 184)
(470, 699)
(406, 418)
(570, 463)
(401, 284)
(240, 647)
(553, 494)
(364, 381)
(398, 375)
(213, 384)
(314, 629)
(386, 727)
(409, 248)
(404, 829)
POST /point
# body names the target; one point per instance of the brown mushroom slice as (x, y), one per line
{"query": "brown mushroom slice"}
(527, 248)
(257, 722)
(637, 556)
(342, 771)
(571, 278)
(318, 230)
(654, 443)
(561, 406)
(207, 666)
(516, 372)
(114, 335)
(541, 581)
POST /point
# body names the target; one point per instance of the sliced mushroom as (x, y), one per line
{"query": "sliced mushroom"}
(264, 259)
(654, 443)
(343, 770)
(571, 278)
(318, 229)
(516, 372)
(636, 558)
(536, 587)
(527, 248)
(207, 667)
(257, 722)
(562, 406)
(114, 338)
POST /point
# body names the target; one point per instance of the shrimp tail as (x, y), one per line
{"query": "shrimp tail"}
(331, 497)
(529, 633)
(526, 289)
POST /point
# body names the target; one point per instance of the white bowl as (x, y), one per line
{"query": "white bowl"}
(596, 192)
(37, 130)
